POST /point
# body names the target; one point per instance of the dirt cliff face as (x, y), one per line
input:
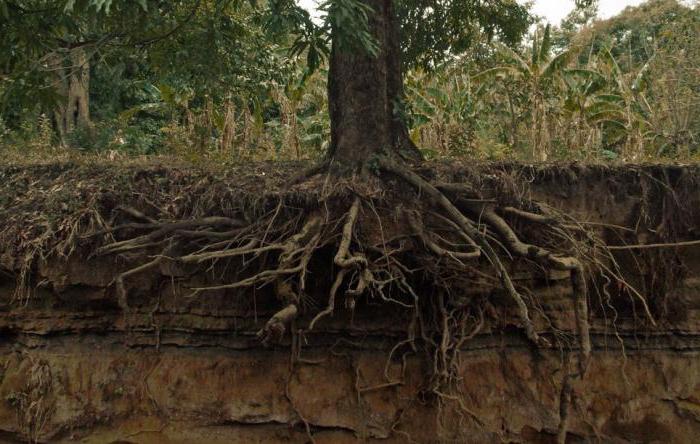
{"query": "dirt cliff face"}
(74, 367)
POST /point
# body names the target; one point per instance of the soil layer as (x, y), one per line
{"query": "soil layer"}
(179, 368)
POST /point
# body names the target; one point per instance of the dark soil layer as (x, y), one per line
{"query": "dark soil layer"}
(158, 361)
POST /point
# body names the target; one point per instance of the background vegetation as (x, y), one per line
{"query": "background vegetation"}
(222, 82)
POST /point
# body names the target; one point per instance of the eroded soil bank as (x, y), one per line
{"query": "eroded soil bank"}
(182, 369)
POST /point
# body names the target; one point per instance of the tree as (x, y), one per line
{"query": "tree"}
(372, 42)
(52, 49)
(581, 16)
(372, 225)
(47, 52)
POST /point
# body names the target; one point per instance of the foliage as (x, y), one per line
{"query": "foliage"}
(588, 101)
(234, 80)
(431, 34)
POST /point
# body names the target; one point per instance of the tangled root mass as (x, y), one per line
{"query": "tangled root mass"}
(391, 237)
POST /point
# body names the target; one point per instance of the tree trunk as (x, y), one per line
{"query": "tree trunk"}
(56, 65)
(73, 83)
(79, 92)
(364, 92)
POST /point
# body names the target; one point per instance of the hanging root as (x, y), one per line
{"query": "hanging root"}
(331, 299)
(294, 255)
(348, 262)
(491, 224)
(459, 229)
(343, 257)
(469, 229)
(547, 258)
(565, 398)
(297, 250)
(277, 324)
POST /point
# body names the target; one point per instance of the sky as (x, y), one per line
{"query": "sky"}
(553, 10)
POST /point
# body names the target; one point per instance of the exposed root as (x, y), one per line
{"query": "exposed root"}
(470, 230)
(440, 255)
(565, 398)
(417, 226)
(548, 258)
(652, 246)
(343, 257)
(331, 299)
(347, 262)
(119, 282)
(275, 327)
(162, 230)
(289, 261)
(532, 217)
(248, 248)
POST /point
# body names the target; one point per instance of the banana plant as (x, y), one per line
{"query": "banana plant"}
(442, 104)
(637, 113)
(592, 108)
(539, 74)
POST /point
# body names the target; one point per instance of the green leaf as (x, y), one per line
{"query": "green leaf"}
(610, 98)
(517, 62)
(610, 155)
(557, 64)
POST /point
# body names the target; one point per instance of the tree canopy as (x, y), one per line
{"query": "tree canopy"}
(189, 34)
(152, 67)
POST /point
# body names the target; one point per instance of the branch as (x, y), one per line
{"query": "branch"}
(175, 29)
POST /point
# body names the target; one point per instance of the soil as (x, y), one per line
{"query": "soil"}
(162, 365)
